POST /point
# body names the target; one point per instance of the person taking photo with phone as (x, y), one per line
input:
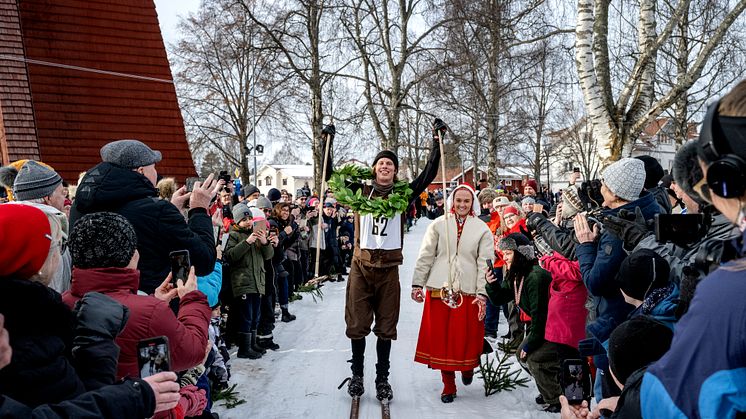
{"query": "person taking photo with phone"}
(124, 183)
(105, 259)
(247, 248)
(451, 339)
(527, 285)
(56, 362)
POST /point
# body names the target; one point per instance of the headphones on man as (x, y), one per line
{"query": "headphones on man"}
(722, 141)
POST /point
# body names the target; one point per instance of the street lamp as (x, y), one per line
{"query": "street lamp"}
(257, 150)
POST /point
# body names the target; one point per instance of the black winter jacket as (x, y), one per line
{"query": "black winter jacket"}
(41, 329)
(131, 399)
(159, 225)
(560, 238)
(628, 406)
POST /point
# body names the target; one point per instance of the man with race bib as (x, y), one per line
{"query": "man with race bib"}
(373, 288)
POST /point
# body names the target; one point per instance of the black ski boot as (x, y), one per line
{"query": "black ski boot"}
(383, 388)
(267, 342)
(254, 346)
(355, 385)
(286, 316)
(244, 347)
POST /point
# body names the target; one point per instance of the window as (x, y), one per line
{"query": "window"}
(268, 180)
(259, 182)
(285, 182)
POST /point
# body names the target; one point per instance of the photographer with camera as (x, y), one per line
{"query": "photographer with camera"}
(558, 235)
(709, 338)
(600, 254)
(692, 246)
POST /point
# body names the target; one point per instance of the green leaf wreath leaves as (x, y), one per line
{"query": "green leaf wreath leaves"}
(396, 202)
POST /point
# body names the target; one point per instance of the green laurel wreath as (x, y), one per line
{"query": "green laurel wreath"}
(396, 202)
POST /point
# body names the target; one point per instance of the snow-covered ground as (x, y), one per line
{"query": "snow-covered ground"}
(300, 380)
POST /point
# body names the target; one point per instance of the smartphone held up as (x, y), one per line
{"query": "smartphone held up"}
(575, 380)
(153, 356)
(180, 266)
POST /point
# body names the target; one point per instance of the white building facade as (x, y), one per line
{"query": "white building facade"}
(290, 177)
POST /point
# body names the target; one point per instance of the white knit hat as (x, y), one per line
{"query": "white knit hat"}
(625, 178)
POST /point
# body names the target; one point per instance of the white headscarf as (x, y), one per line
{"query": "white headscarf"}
(475, 201)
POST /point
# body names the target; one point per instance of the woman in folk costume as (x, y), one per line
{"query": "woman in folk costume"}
(454, 250)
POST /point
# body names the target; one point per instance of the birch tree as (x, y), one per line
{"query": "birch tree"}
(620, 100)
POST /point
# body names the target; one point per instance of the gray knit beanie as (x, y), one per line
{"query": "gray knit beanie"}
(240, 211)
(263, 202)
(625, 178)
(35, 181)
(517, 242)
(129, 154)
(528, 200)
(102, 240)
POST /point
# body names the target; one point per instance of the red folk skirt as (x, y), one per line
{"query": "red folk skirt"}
(450, 339)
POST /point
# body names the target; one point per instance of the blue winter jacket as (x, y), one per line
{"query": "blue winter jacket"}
(599, 264)
(703, 375)
(210, 285)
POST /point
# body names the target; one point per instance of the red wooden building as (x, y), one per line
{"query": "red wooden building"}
(76, 74)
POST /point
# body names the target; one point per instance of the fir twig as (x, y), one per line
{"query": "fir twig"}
(499, 377)
(228, 396)
(315, 292)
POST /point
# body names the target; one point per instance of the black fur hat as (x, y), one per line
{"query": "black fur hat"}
(686, 170)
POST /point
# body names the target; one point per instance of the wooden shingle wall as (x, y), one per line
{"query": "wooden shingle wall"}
(17, 128)
(98, 72)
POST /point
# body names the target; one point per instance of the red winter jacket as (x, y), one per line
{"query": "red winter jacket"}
(149, 317)
(567, 295)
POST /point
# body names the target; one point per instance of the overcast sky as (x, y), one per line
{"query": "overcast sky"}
(168, 16)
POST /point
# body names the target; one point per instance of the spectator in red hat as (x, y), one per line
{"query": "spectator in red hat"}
(529, 188)
(43, 369)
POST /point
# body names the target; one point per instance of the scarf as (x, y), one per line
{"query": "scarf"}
(383, 190)
(459, 228)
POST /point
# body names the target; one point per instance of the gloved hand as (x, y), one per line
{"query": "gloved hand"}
(439, 127)
(329, 130)
(591, 347)
(629, 230)
(327, 134)
(98, 318)
(534, 219)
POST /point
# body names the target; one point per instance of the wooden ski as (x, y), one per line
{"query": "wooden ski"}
(355, 407)
(385, 409)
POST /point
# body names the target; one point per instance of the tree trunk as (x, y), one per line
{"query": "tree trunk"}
(681, 111)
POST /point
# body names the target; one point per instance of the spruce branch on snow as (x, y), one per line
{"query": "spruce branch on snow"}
(315, 292)
(499, 377)
(228, 396)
